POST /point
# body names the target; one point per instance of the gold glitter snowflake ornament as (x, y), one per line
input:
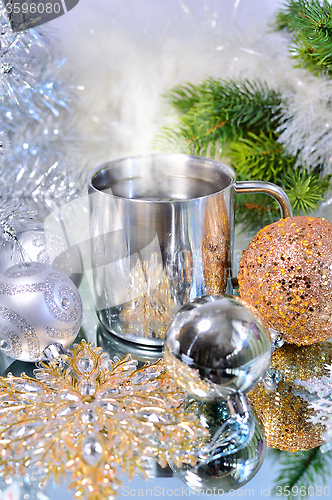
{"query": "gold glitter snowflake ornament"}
(84, 419)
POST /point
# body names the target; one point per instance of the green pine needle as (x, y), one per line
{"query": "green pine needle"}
(260, 157)
(304, 190)
(310, 22)
(184, 97)
(240, 119)
(218, 112)
(169, 140)
(301, 469)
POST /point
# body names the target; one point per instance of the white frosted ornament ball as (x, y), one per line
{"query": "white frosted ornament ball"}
(38, 307)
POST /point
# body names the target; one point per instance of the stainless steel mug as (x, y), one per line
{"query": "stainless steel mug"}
(162, 229)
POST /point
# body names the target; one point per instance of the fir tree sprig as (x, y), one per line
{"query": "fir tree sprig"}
(220, 112)
(301, 470)
(260, 157)
(241, 119)
(304, 190)
(310, 22)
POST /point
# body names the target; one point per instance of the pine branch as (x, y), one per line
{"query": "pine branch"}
(244, 105)
(310, 22)
(263, 158)
(220, 112)
(301, 469)
(184, 97)
(260, 157)
(170, 141)
(287, 17)
(304, 190)
(240, 119)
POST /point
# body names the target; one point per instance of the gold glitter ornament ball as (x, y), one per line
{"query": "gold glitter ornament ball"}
(286, 274)
(285, 416)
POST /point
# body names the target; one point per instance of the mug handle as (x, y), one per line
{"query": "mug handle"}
(268, 188)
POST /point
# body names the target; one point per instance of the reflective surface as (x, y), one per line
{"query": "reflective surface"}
(215, 346)
(162, 234)
(116, 346)
(222, 469)
(277, 399)
(137, 486)
(162, 228)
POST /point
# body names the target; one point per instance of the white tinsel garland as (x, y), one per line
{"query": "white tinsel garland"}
(307, 125)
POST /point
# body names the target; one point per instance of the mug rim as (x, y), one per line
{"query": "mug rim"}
(225, 169)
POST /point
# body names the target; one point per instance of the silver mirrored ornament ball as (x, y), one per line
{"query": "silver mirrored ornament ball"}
(221, 468)
(28, 244)
(38, 307)
(216, 347)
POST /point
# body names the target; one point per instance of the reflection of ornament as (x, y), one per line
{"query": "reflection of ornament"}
(88, 421)
(286, 274)
(221, 468)
(215, 347)
(28, 243)
(38, 307)
(284, 414)
(154, 305)
(115, 346)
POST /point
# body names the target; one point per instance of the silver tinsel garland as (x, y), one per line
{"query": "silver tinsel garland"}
(38, 163)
